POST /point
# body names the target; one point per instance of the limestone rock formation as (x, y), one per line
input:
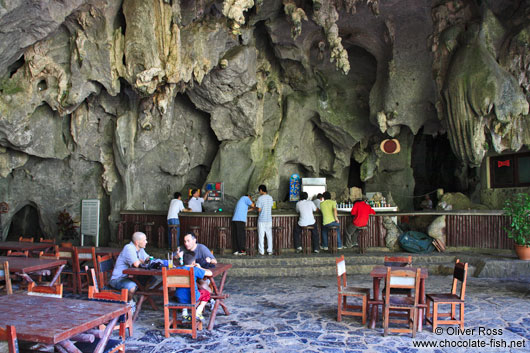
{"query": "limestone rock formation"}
(130, 101)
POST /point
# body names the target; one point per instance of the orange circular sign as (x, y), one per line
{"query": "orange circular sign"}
(390, 146)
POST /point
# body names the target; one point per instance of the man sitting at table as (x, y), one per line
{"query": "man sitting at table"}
(361, 212)
(306, 209)
(132, 255)
(202, 296)
(203, 255)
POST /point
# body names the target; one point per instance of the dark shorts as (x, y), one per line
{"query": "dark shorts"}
(205, 295)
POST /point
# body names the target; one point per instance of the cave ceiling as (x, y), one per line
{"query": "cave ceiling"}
(129, 101)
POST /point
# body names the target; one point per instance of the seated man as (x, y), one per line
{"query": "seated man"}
(361, 212)
(132, 255)
(306, 209)
(202, 296)
(203, 255)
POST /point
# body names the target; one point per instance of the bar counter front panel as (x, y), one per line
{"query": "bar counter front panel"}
(464, 229)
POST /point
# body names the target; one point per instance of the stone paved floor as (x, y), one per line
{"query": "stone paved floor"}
(299, 315)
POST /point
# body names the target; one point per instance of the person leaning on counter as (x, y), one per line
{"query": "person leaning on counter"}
(196, 201)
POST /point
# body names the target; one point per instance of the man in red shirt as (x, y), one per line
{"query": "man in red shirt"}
(360, 211)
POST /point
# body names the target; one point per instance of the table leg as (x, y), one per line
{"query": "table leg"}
(57, 275)
(219, 298)
(106, 334)
(421, 301)
(373, 316)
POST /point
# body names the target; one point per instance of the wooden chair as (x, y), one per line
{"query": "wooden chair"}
(4, 276)
(399, 261)
(345, 291)
(55, 291)
(70, 270)
(25, 240)
(9, 334)
(85, 258)
(402, 278)
(179, 278)
(124, 323)
(105, 266)
(24, 253)
(44, 240)
(53, 255)
(454, 299)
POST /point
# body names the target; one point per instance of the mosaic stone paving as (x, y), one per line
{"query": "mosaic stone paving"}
(299, 315)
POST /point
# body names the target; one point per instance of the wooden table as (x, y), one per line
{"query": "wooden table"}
(22, 266)
(54, 321)
(101, 251)
(378, 273)
(23, 246)
(220, 270)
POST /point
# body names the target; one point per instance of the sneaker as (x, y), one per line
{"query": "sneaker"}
(299, 250)
(269, 253)
(324, 248)
(316, 251)
(242, 253)
(199, 317)
(339, 248)
(186, 318)
(237, 253)
(212, 304)
(262, 254)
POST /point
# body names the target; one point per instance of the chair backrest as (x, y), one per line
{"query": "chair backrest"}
(9, 334)
(25, 240)
(460, 275)
(85, 255)
(178, 278)
(341, 272)
(70, 255)
(105, 266)
(43, 240)
(24, 253)
(398, 261)
(406, 278)
(55, 291)
(55, 255)
(4, 275)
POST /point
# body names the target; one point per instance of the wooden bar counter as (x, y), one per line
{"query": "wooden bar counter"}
(480, 229)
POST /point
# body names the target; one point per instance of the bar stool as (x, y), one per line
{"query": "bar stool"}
(196, 230)
(221, 239)
(332, 239)
(306, 239)
(277, 239)
(121, 231)
(161, 241)
(362, 239)
(148, 226)
(173, 228)
(251, 240)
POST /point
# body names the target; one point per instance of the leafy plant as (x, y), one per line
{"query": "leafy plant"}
(66, 226)
(518, 208)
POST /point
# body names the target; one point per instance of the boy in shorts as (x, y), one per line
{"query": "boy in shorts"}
(202, 295)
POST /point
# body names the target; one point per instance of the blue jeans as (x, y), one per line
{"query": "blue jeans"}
(173, 221)
(325, 230)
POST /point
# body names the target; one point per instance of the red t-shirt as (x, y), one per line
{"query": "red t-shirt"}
(361, 212)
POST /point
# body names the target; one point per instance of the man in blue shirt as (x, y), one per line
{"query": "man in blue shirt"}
(239, 220)
(202, 296)
(264, 205)
(132, 255)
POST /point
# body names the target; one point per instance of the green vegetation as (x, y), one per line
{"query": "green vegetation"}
(518, 208)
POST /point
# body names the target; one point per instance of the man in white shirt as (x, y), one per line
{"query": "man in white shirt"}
(175, 207)
(306, 209)
(318, 199)
(196, 201)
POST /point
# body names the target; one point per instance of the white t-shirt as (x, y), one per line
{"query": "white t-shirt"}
(306, 209)
(175, 207)
(317, 203)
(195, 203)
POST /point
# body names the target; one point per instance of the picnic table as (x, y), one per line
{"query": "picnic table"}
(378, 273)
(54, 321)
(219, 271)
(22, 266)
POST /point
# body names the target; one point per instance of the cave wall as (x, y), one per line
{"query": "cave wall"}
(131, 101)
